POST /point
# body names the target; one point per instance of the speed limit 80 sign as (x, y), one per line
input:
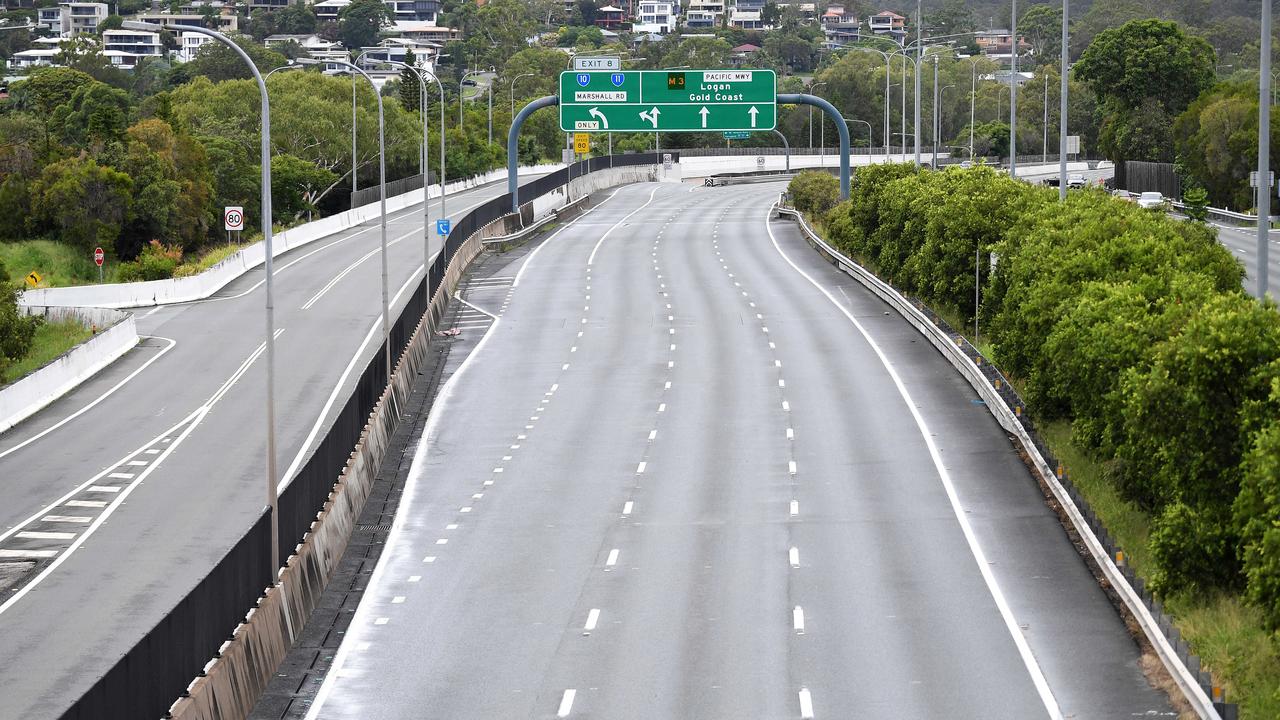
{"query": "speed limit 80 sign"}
(233, 218)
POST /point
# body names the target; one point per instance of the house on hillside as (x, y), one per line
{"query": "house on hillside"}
(889, 23)
(743, 55)
(839, 26)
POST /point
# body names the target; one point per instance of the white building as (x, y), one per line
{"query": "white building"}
(424, 32)
(82, 17)
(327, 10)
(704, 13)
(746, 19)
(656, 16)
(50, 19)
(35, 57)
(140, 43)
(228, 22)
(189, 44)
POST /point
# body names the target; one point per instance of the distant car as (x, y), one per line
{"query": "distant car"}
(1151, 201)
(1122, 195)
(1051, 181)
(469, 82)
(966, 164)
(1075, 181)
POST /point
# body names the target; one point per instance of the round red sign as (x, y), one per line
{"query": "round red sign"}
(99, 256)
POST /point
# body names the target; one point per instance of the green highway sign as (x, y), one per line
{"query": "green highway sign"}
(670, 101)
(736, 135)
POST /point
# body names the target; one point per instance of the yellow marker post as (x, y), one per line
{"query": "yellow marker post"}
(581, 143)
(33, 278)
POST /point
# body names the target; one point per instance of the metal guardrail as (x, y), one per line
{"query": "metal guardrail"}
(1006, 405)
(1224, 214)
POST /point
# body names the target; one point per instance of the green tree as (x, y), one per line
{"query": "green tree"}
(83, 202)
(219, 62)
(16, 330)
(1144, 73)
(1041, 26)
(173, 190)
(1256, 510)
(48, 87)
(110, 22)
(699, 52)
(295, 186)
(410, 93)
(95, 114)
(361, 22)
(1216, 142)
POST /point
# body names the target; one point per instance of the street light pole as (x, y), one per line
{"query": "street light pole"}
(426, 206)
(513, 94)
(1062, 106)
(268, 267)
(1045, 157)
(919, 57)
(937, 123)
(973, 97)
(1013, 94)
(1264, 149)
(382, 195)
(936, 96)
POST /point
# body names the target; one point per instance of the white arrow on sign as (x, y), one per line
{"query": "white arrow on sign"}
(704, 112)
(604, 122)
(651, 116)
(753, 112)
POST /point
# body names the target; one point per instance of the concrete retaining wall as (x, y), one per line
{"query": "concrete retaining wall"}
(116, 335)
(196, 287)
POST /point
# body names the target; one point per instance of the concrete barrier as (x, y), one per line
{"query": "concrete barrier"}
(197, 287)
(116, 335)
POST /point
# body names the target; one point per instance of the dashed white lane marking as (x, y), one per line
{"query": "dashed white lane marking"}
(786, 406)
(626, 507)
(667, 386)
(120, 476)
(566, 703)
(640, 468)
(791, 467)
(782, 383)
(592, 618)
(103, 488)
(791, 434)
(382, 621)
(451, 526)
(465, 509)
(86, 503)
(40, 535)
(152, 451)
(984, 568)
(442, 541)
(397, 600)
(797, 619)
(662, 407)
(806, 704)
(415, 578)
(429, 559)
(66, 519)
(793, 556)
(612, 559)
(795, 508)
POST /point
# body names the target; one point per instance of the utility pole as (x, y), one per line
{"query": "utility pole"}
(919, 56)
(936, 116)
(1044, 158)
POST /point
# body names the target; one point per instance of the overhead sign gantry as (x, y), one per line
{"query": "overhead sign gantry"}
(668, 101)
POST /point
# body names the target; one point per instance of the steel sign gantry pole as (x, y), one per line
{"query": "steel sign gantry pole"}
(830, 110)
(513, 136)
(268, 267)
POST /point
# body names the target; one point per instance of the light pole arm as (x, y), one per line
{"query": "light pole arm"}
(830, 110)
(513, 137)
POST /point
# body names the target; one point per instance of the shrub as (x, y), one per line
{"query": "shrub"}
(1256, 511)
(814, 192)
(1194, 549)
(16, 331)
(1196, 203)
(157, 262)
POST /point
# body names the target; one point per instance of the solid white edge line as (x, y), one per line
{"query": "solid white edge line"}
(395, 535)
(1006, 613)
(592, 258)
(524, 265)
(99, 399)
(374, 329)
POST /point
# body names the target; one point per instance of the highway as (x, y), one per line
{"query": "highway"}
(692, 471)
(1243, 243)
(151, 470)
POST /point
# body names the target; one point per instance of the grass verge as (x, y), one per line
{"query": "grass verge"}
(51, 341)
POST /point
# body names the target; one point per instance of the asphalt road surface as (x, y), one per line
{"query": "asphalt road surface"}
(152, 480)
(1243, 243)
(694, 472)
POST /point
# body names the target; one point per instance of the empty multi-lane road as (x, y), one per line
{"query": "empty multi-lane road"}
(692, 471)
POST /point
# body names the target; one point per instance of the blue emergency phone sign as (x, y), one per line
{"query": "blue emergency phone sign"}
(443, 226)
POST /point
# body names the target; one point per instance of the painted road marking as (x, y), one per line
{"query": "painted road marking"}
(797, 619)
(806, 704)
(27, 554)
(795, 508)
(86, 503)
(566, 703)
(793, 555)
(397, 600)
(640, 468)
(66, 518)
(381, 621)
(415, 578)
(103, 488)
(121, 476)
(626, 508)
(791, 434)
(613, 558)
(38, 535)
(791, 467)
(592, 618)
(429, 559)
(653, 434)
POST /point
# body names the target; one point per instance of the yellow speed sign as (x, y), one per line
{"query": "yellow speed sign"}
(581, 143)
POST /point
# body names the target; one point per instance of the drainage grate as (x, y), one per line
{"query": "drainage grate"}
(379, 526)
